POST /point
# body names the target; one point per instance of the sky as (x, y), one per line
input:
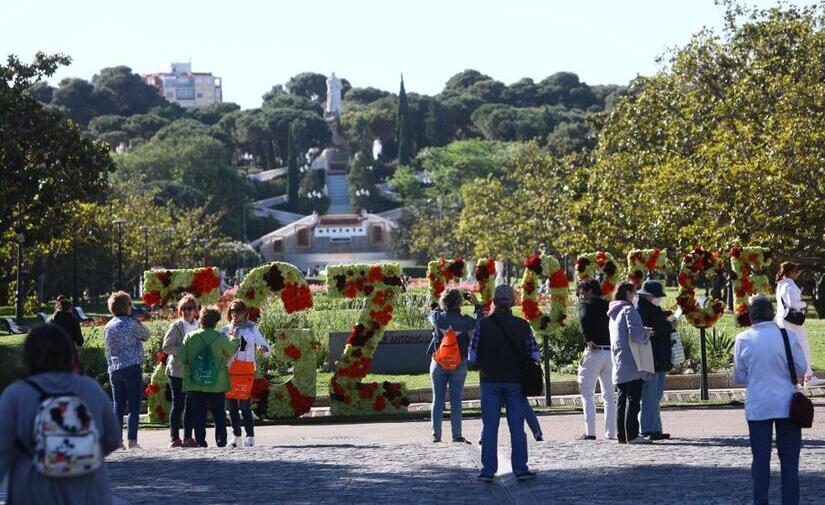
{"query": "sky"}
(253, 45)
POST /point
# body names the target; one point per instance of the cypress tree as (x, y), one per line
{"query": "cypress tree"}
(291, 171)
(402, 128)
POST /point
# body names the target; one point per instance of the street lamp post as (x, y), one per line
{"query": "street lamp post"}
(119, 222)
(20, 238)
(170, 230)
(145, 229)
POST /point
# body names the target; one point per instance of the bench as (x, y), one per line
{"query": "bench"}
(78, 311)
(12, 327)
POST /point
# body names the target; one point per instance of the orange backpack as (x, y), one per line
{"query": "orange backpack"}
(448, 354)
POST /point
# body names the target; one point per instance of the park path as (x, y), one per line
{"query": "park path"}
(394, 462)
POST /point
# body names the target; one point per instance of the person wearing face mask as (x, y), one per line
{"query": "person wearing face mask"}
(188, 307)
(650, 419)
(242, 370)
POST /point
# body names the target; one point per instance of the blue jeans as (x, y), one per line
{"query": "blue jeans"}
(650, 418)
(440, 378)
(248, 421)
(127, 388)
(216, 400)
(788, 444)
(530, 417)
(493, 396)
(181, 407)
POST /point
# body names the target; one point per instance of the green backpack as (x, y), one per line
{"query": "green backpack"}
(204, 370)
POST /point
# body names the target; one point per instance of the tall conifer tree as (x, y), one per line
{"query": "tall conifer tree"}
(402, 128)
(292, 170)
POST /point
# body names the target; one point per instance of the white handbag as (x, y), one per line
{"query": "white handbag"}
(677, 351)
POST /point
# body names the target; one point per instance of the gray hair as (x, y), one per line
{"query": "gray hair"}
(761, 308)
(504, 296)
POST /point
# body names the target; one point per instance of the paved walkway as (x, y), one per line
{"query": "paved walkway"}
(707, 462)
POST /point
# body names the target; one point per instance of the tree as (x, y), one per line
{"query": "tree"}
(105, 124)
(42, 92)
(144, 125)
(81, 101)
(292, 171)
(131, 94)
(402, 128)
(212, 113)
(365, 95)
(461, 82)
(309, 85)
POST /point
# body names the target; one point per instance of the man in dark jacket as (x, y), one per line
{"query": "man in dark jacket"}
(500, 345)
(650, 297)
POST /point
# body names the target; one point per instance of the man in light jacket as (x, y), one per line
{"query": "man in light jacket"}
(761, 364)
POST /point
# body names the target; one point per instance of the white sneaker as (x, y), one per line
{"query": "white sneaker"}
(235, 441)
(815, 381)
(249, 442)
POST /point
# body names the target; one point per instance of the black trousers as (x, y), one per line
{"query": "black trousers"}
(627, 411)
(248, 421)
(181, 407)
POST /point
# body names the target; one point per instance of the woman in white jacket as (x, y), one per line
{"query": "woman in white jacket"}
(789, 297)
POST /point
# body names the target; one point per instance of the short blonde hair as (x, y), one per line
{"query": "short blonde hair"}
(209, 317)
(120, 303)
(188, 300)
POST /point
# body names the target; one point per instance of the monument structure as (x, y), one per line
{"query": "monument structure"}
(338, 236)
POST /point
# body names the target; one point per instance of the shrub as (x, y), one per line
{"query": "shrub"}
(565, 345)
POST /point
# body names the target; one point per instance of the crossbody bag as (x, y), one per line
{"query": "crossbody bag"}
(802, 409)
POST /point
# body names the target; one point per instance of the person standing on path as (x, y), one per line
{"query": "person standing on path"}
(650, 418)
(123, 336)
(172, 342)
(596, 363)
(788, 299)
(47, 356)
(204, 355)
(760, 363)
(64, 317)
(501, 343)
(245, 335)
(627, 331)
(445, 319)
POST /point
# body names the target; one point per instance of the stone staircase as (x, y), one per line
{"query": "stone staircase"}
(338, 193)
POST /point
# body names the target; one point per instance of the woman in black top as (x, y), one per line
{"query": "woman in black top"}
(596, 363)
(65, 318)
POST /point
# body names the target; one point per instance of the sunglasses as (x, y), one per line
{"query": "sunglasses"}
(236, 311)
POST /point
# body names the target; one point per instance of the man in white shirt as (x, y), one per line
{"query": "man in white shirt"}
(761, 364)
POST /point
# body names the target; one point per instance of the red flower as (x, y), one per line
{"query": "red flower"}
(528, 288)
(300, 404)
(383, 316)
(559, 279)
(151, 389)
(533, 263)
(438, 288)
(379, 403)
(366, 391)
(165, 277)
(205, 281)
(292, 353)
(250, 293)
(601, 257)
(651, 262)
(161, 357)
(379, 298)
(160, 412)
(375, 275)
(530, 308)
(607, 287)
(296, 297)
(152, 298)
(260, 387)
(253, 313)
(351, 291)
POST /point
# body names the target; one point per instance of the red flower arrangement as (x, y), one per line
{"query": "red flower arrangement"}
(640, 261)
(744, 261)
(275, 279)
(160, 287)
(442, 271)
(589, 265)
(694, 263)
(485, 274)
(536, 266)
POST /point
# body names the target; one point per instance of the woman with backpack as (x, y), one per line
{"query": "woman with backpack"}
(246, 336)
(173, 340)
(204, 355)
(86, 413)
(448, 348)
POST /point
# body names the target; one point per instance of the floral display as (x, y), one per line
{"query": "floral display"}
(294, 397)
(275, 279)
(158, 394)
(161, 287)
(644, 261)
(536, 266)
(695, 263)
(380, 284)
(589, 265)
(485, 274)
(744, 262)
(442, 271)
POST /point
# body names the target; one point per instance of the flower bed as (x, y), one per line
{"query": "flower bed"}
(485, 274)
(161, 287)
(275, 279)
(641, 261)
(548, 266)
(589, 265)
(442, 271)
(744, 262)
(380, 284)
(694, 263)
(158, 394)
